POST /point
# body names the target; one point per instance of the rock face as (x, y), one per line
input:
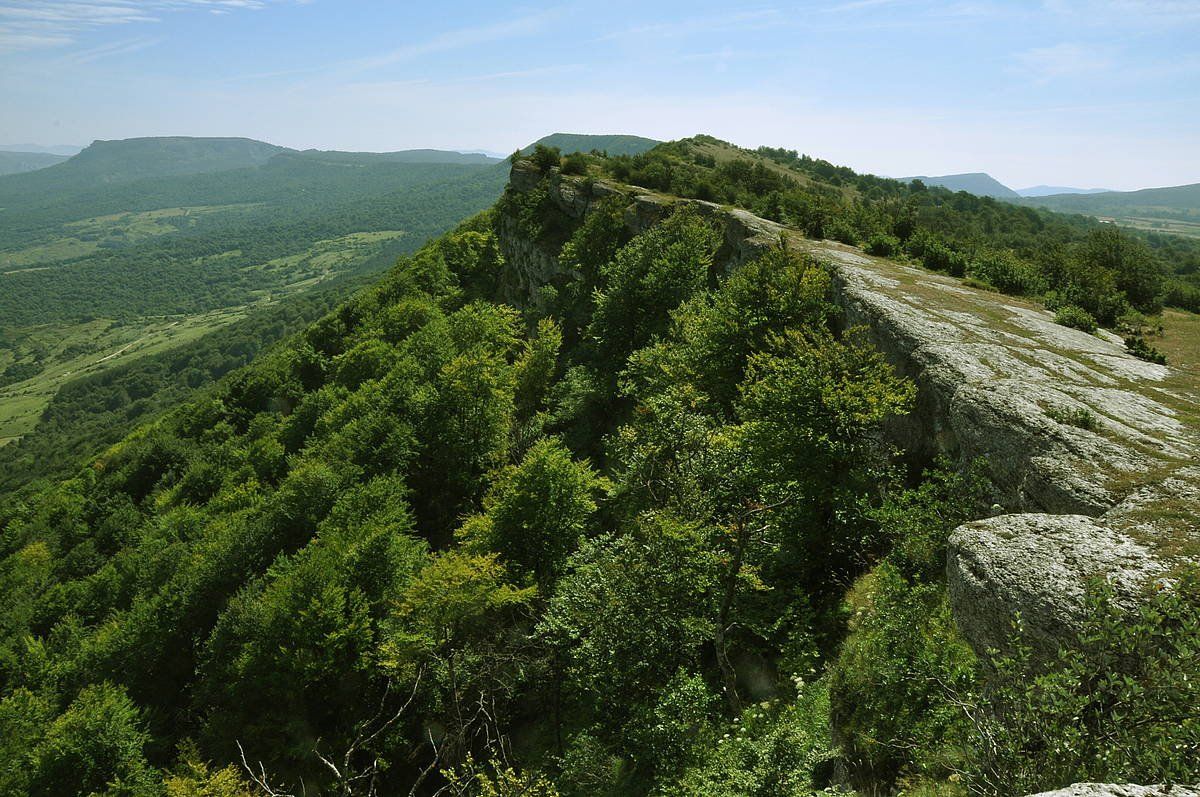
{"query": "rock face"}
(1038, 564)
(1121, 790)
(1094, 454)
(1093, 451)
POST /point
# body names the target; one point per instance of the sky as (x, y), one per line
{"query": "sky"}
(1085, 93)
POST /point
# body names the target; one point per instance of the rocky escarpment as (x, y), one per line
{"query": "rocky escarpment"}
(1094, 454)
(1121, 790)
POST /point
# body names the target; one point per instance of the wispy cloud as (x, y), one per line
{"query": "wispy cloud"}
(122, 47)
(858, 5)
(455, 40)
(741, 20)
(1044, 64)
(1128, 12)
(40, 24)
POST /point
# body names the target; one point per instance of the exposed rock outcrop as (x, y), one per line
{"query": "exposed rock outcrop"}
(1094, 453)
(1121, 790)
(1038, 565)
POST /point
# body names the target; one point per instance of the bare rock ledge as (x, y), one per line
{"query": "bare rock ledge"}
(1121, 790)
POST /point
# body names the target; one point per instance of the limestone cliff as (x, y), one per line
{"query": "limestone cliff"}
(1121, 790)
(1094, 454)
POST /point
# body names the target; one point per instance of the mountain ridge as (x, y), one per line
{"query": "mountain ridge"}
(21, 162)
(978, 183)
(1052, 190)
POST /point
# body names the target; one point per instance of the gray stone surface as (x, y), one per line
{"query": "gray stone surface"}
(998, 380)
(1121, 790)
(1038, 565)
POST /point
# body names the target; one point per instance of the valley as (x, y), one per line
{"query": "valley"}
(94, 280)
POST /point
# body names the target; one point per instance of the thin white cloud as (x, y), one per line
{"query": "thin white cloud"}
(1064, 60)
(455, 40)
(858, 5)
(1135, 13)
(41, 24)
(740, 20)
(122, 47)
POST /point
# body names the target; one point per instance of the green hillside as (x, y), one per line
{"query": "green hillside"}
(94, 275)
(569, 504)
(1180, 197)
(1169, 210)
(581, 142)
(137, 158)
(18, 162)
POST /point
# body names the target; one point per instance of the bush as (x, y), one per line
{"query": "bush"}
(1075, 317)
(937, 255)
(1008, 273)
(891, 711)
(1074, 416)
(545, 158)
(575, 163)
(1120, 707)
(883, 245)
(1138, 347)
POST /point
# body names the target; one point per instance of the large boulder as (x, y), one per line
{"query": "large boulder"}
(1121, 790)
(1037, 566)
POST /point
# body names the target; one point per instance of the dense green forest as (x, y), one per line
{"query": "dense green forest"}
(88, 414)
(143, 244)
(18, 162)
(1070, 261)
(638, 535)
(1174, 209)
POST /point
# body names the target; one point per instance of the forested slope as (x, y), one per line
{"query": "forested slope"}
(133, 247)
(576, 503)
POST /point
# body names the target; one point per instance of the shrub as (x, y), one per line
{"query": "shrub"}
(937, 255)
(1119, 707)
(575, 163)
(545, 158)
(1074, 416)
(1076, 317)
(1008, 273)
(889, 706)
(1137, 346)
(882, 245)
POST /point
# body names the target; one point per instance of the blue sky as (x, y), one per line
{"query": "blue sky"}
(1067, 92)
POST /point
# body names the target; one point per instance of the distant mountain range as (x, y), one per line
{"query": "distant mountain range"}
(1052, 190)
(18, 162)
(1175, 209)
(983, 184)
(977, 183)
(128, 160)
(1178, 198)
(66, 150)
(133, 159)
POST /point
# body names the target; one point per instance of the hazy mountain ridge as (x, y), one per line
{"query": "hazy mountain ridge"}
(66, 150)
(1177, 197)
(1052, 190)
(978, 183)
(1173, 209)
(109, 163)
(20, 162)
